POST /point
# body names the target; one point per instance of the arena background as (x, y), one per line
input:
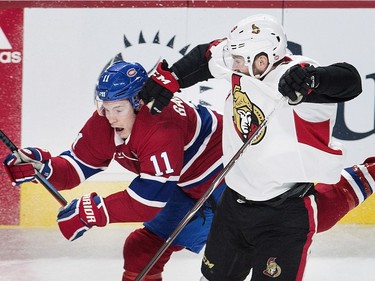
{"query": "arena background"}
(51, 54)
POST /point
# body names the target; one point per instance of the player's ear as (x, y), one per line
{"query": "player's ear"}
(262, 62)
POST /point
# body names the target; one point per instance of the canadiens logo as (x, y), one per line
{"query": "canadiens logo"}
(246, 115)
(273, 269)
(131, 72)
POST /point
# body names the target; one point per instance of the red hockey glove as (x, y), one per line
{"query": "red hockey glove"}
(21, 165)
(300, 78)
(82, 214)
(160, 88)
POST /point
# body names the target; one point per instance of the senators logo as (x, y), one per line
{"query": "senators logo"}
(273, 269)
(255, 29)
(246, 115)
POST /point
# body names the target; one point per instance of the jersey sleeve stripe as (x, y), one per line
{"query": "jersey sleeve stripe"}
(217, 166)
(83, 170)
(200, 143)
(355, 183)
(152, 190)
(159, 178)
(197, 129)
(144, 201)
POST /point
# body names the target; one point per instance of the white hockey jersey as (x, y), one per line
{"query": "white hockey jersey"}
(296, 145)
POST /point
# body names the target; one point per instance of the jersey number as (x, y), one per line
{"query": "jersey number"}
(168, 167)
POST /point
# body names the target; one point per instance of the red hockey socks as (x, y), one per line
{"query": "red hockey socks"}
(140, 247)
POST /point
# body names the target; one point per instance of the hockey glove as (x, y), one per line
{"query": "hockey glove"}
(82, 214)
(160, 88)
(21, 165)
(298, 82)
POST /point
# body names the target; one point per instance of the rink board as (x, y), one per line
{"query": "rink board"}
(51, 53)
(39, 208)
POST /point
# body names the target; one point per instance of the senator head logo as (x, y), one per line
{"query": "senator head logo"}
(247, 116)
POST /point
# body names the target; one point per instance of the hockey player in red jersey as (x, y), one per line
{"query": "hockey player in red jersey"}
(176, 155)
(270, 211)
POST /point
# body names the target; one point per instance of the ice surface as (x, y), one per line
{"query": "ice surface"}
(345, 253)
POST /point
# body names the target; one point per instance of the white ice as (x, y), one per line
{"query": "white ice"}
(344, 253)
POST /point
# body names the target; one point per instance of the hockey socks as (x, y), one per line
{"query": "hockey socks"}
(140, 247)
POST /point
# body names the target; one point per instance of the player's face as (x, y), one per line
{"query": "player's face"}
(121, 116)
(259, 65)
(239, 65)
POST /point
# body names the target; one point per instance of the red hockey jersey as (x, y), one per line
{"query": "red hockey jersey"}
(181, 147)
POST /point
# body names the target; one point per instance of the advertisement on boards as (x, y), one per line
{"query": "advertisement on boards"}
(11, 55)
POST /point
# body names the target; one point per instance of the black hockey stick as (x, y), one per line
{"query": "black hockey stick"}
(12, 147)
(208, 193)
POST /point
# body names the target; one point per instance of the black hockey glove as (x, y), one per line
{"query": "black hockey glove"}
(298, 82)
(159, 89)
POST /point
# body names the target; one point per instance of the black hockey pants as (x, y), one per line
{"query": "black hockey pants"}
(271, 238)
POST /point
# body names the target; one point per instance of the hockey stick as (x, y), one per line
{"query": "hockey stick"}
(207, 194)
(13, 148)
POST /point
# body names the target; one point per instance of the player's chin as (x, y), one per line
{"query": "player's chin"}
(122, 133)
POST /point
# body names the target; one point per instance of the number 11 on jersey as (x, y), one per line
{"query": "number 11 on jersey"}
(168, 167)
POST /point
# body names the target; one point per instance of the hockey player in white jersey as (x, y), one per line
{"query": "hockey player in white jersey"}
(271, 210)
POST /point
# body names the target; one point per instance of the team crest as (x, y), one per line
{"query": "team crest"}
(272, 270)
(247, 116)
(131, 72)
(255, 29)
